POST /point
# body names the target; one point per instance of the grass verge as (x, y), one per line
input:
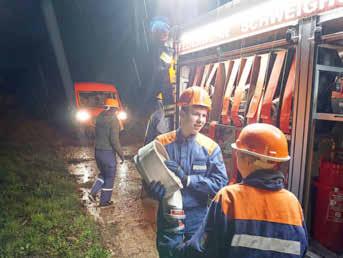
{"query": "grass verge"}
(40, 214)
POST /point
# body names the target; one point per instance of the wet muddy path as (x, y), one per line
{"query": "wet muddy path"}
(128, 226)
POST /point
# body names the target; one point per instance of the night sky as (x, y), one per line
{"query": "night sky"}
(104, 41)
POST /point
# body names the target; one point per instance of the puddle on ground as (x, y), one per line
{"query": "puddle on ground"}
(128, 226)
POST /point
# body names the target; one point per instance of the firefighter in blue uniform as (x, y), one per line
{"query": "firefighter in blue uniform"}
(107, 145)
(162, 53)
(257, 218)
(196, 159)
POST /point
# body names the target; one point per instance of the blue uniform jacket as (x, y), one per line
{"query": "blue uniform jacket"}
(157, 124)
(254, 219)
(201, 159)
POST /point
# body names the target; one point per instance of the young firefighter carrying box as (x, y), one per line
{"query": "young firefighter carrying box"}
(195, 159)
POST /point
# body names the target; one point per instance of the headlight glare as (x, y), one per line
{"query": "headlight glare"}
(122, 115)
(82, 116)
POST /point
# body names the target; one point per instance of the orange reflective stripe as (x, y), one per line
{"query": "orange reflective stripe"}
(198, 75)
(287, 100)
(207, 70)
(256, 99)
(206, 142)
(271, 87)
(229, 88)
(240, 89)
(249, 203)
(167, 138)
(217, 97)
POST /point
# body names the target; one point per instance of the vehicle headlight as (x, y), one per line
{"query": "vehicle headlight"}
(82, 115)
(122, 115)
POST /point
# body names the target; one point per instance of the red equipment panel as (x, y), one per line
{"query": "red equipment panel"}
(252, 114)
(271, 87)
(239, 91)
(286, 107)
(205, 75)
(198, 75)
(217, 97)
(229, 89)
(211, 75)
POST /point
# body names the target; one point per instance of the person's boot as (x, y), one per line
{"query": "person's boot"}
(92, 197)
(105, 204)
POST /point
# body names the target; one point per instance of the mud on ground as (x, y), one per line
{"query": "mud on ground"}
(128, 226)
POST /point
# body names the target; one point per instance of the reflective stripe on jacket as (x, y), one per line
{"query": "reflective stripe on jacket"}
(246, 221)
(201, 159)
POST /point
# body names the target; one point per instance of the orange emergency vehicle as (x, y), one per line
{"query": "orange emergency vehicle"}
(278, 62)
(90, 97)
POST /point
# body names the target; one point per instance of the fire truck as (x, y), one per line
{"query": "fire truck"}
(277, 62)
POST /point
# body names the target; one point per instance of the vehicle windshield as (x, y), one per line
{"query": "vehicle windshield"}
(95, 99)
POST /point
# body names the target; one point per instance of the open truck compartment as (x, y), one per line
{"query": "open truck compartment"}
(284, 70)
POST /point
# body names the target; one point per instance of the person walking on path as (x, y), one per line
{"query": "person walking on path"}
(107, 145)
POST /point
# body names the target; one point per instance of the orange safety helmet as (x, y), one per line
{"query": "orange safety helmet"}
(111, 103)
(195, 96)
(263, 141)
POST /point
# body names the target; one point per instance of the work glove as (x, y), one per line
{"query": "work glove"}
(156, 190)
(178, 171)
(169, 244)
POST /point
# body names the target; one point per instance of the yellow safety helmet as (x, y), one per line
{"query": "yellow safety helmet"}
(195, 96)
(159, 96)
(109, 102)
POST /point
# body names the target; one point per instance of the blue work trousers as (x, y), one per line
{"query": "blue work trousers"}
(106, 162)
